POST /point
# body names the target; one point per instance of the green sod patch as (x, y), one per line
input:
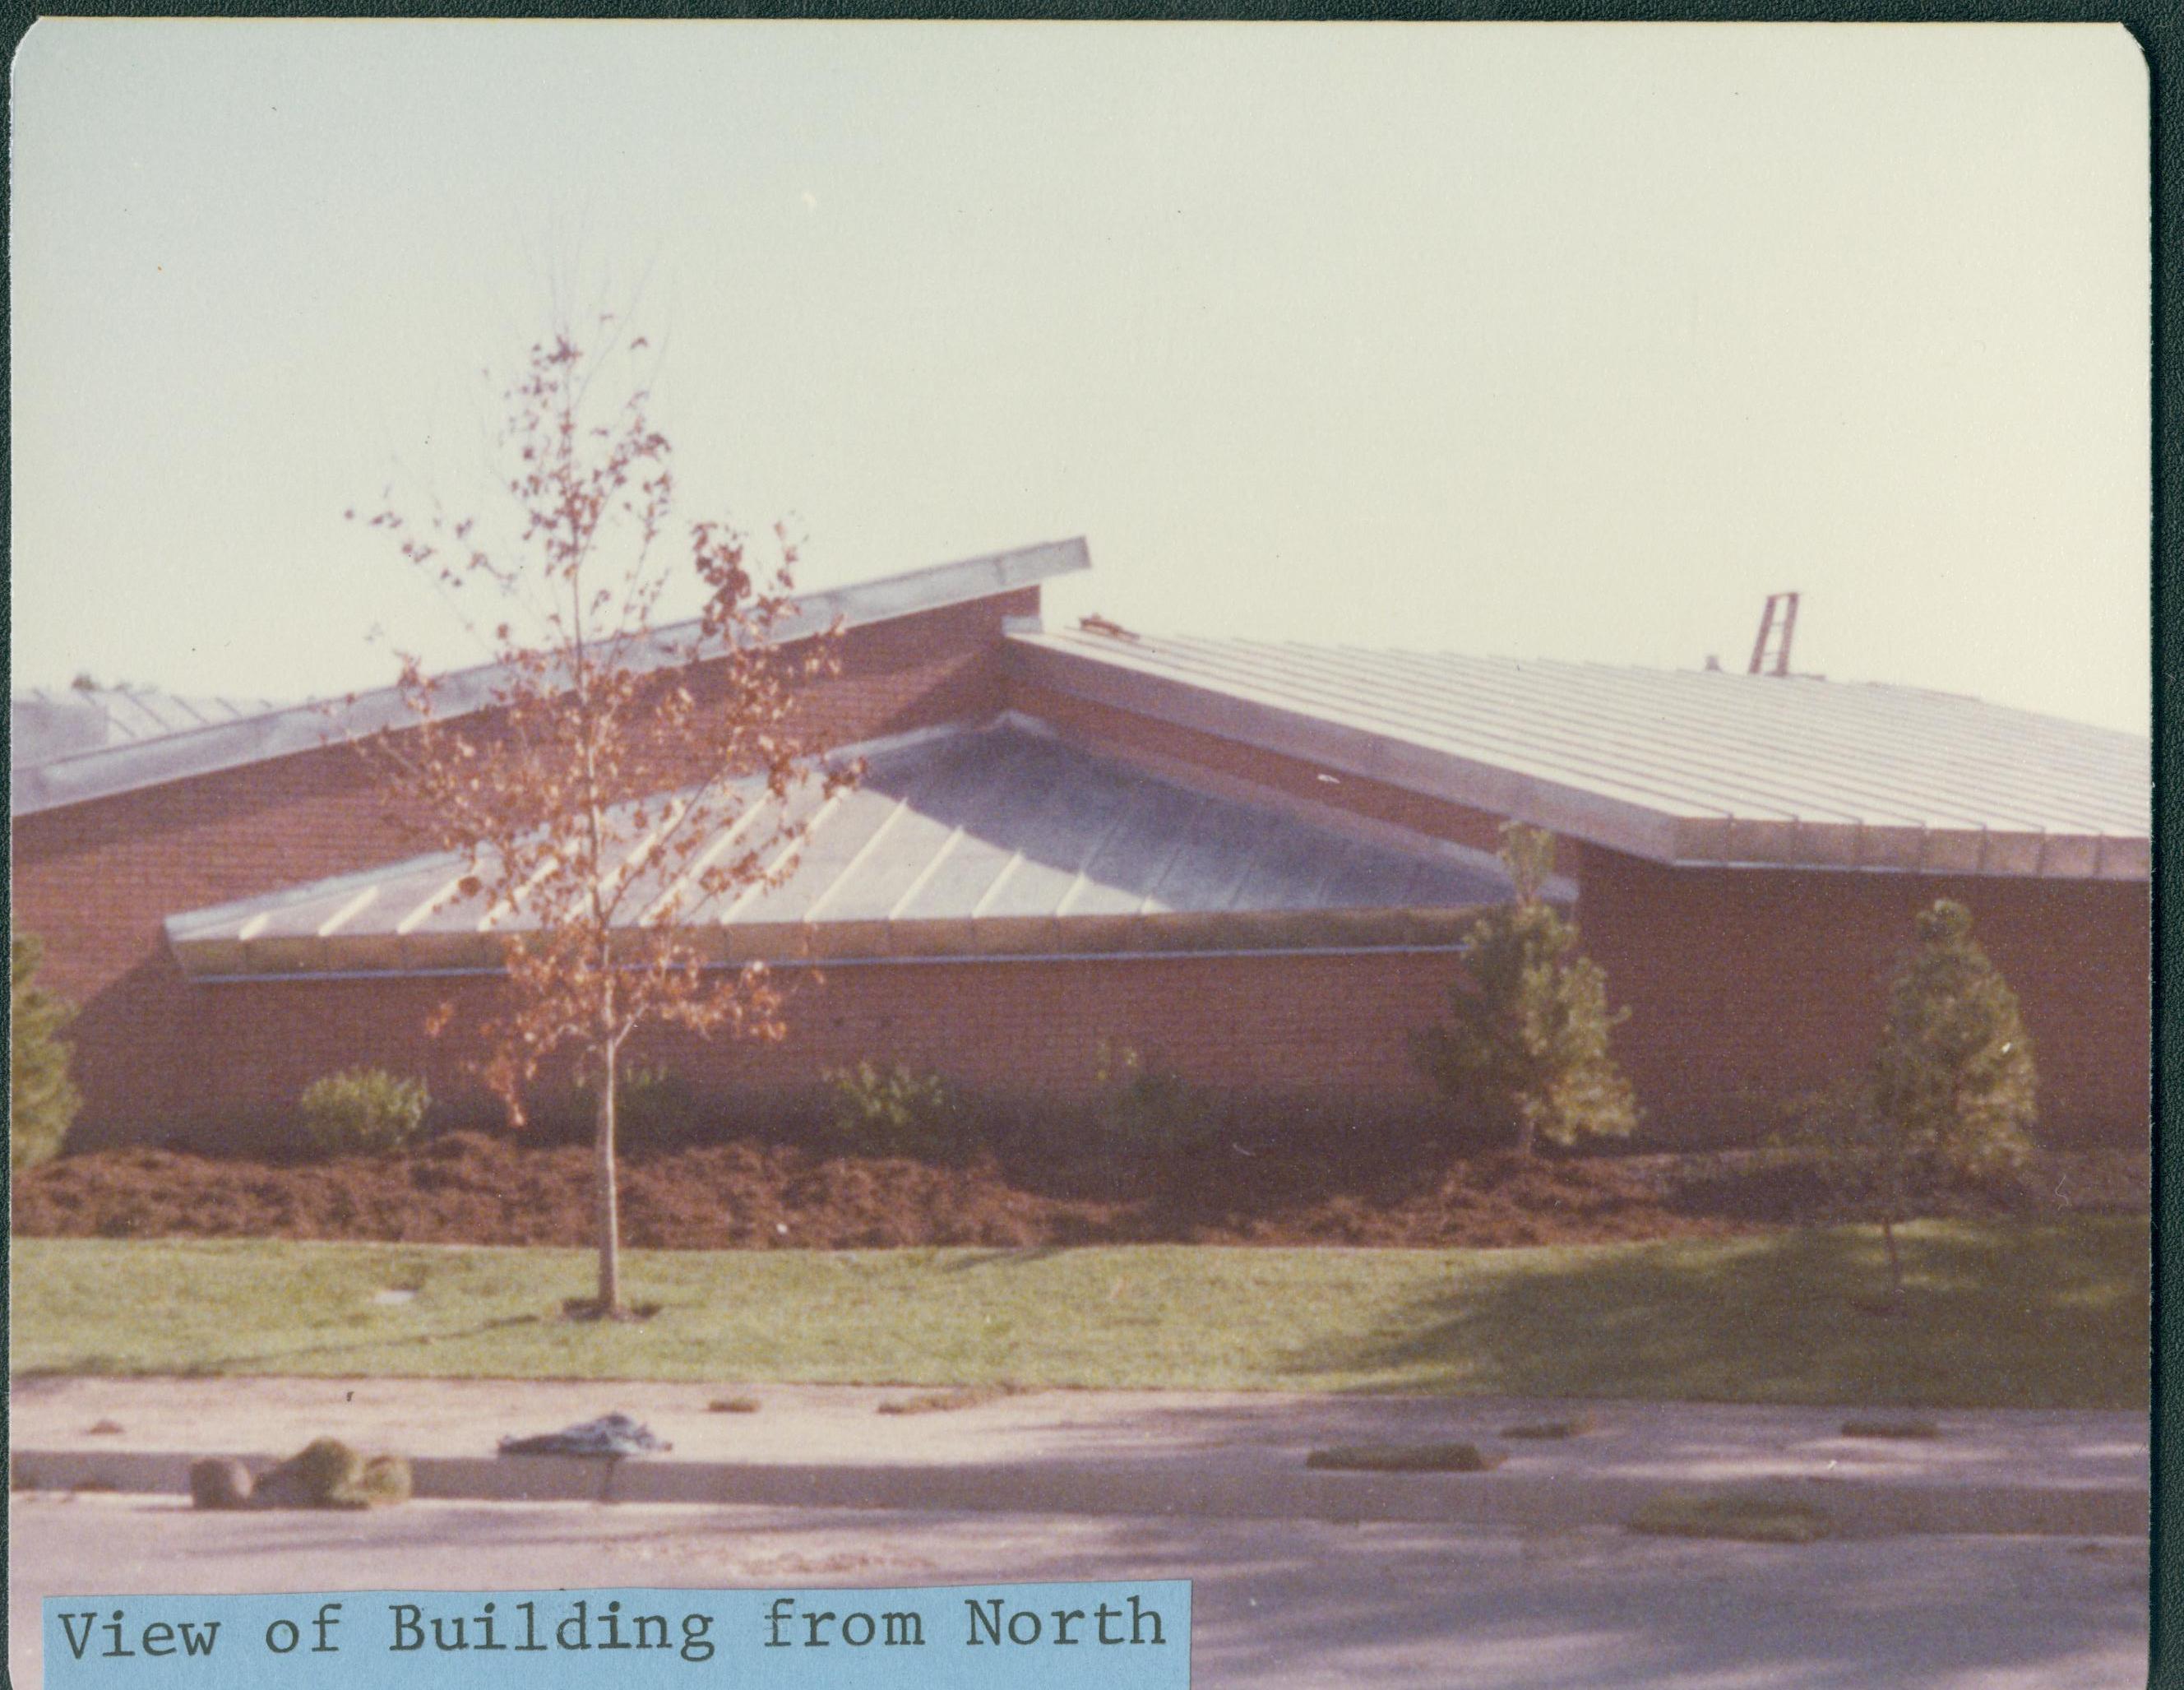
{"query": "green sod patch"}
(2045, 1314)
(1404, 1458)
(948, 1402)
(324, 1475)
(1899, 1426)
(1575, 1425)
(1747, 1520)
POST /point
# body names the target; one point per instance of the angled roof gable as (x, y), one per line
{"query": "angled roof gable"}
(1679, 766)
(233, 741)
(48, 723)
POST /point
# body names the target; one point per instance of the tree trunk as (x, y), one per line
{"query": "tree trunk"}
(610, 1215)
(1895, 1204)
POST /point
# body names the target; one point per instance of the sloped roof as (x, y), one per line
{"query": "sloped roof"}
(190, 749)
(46, 724)
(1679, 766)
(972, 842)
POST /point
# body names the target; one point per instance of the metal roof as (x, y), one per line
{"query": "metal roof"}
(1000, 841)
(47, 723)
(1679, 766)
(197, 749)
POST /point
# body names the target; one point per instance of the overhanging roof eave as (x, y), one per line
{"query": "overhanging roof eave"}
(1165, 934)
(108, 771)
(1672, 836)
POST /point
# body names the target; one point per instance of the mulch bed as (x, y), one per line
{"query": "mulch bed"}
(470, 1188)
(475, 1188)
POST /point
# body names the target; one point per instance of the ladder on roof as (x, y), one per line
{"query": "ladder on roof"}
(1777, 626)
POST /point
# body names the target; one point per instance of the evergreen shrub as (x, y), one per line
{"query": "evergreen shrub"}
(362, 1111)
(1524, 1053)
(42, 1099)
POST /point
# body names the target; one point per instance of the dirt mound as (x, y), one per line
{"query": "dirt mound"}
(468, 1188)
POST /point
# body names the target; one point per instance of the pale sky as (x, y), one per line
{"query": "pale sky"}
(1561, 341)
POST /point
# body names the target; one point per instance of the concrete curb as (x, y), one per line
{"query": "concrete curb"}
(1855, 1508)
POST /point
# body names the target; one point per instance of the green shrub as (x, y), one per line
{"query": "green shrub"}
(363, 1112)
(1954, 1081)
(1147, 1113)
(652, 1108)
(41, 1099)
(896, 1112)
(1524, 1051)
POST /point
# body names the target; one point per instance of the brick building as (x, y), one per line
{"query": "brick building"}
(1252, 863)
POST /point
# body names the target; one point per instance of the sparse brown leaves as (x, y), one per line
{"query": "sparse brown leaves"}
(607, 781)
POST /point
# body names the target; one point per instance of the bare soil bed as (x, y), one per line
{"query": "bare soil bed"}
(474, 1188)
(470, 1188)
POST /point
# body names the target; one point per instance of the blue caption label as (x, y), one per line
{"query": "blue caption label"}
(1128, 1636)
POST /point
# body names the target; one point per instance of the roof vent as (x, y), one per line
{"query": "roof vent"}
(1777, 626)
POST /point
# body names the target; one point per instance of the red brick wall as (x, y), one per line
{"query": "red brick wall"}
(1765, 983)
(1742, 985)
(96, 880)
(1334, 1027)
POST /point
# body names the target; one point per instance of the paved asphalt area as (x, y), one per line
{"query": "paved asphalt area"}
(1248, 1433)
(1279, 1603)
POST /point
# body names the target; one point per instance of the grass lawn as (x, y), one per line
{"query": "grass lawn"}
(2020, 1315)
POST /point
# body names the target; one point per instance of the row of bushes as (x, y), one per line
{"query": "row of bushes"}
(1950, 1089)
(1138, 1110)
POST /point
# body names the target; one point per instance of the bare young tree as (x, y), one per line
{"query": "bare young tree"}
(619, 773)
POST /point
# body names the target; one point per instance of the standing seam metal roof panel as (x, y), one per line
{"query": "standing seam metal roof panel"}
(1676, 766)
(1744, 775)
(1053, 850)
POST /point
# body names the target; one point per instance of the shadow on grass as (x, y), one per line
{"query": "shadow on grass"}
(971, 1260)
(2037, 1317)
(20, 1377)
